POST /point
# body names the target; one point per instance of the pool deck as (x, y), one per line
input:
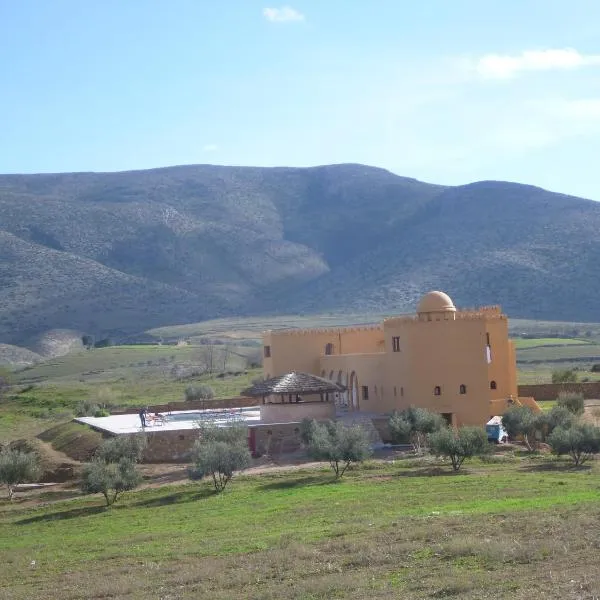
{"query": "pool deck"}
(130, 423)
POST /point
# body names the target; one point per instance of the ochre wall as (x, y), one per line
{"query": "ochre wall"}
(445, 349)
(296, 411)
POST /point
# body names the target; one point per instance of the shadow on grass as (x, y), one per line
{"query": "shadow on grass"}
(286, 484)
(177, 498)
(556, 467)
(74, 513)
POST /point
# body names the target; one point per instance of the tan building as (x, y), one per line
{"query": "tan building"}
(459, 363)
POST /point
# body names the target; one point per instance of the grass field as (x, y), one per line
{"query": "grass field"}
(511, 529)
(525, 343)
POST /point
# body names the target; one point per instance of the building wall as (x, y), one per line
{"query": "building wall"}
(442, 349)
(295, 412)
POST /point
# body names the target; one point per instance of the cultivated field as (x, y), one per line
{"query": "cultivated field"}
(510, 528)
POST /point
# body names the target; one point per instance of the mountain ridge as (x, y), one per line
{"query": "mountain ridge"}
(118, 253)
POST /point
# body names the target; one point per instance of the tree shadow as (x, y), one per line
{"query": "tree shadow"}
(429, 472)
(286, 484)
(177, 498)
(74, 513)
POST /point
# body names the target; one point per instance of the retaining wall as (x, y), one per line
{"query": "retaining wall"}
(550, 391)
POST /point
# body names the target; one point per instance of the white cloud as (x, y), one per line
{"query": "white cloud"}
(209, 148)
(504, 66)
(285, 14)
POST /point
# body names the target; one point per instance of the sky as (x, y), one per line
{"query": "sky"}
(446, 91)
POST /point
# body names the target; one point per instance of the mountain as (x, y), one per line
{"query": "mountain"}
(117, 253)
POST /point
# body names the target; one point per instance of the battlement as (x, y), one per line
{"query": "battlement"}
(469, 314)
(324, 330)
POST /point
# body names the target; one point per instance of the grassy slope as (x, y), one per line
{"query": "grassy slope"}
(519, 530)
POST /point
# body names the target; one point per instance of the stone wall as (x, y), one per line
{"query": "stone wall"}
(176, 446)
(550, 391)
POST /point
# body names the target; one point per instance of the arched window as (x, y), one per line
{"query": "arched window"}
(493, 385)
(328, 349)
(437, 390)
(463, 388)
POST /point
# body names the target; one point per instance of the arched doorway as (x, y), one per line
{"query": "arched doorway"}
(341, 399)
(354, 391)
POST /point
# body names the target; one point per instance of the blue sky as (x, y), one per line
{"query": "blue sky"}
(447, 91)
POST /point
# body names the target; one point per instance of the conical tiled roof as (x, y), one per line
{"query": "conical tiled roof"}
(293, 383)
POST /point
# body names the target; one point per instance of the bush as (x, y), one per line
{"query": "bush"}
(201, 392)
(339, 445)
(218, 453)
(559, 416)
(413, 425)
(579, 441)
(129, 447)
(110, 479)
(459, 444)
(572, 401)
(522, 421)
(564, 376)
(596, 368)
(17, 467)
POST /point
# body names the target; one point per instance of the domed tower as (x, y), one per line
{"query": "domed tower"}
(436, 303)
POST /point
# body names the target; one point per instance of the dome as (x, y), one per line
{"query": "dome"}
(436, 302)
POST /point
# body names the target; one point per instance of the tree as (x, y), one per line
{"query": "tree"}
(559, 416)
(200, 392)
(572, 401)
(522, 421)
(580, 441)
(17, 467)
(459, 444)
(564, 376)
(413, 425)
(113, 469)
(88, 341)
(110, 479)
(218, 453)
(339, 445)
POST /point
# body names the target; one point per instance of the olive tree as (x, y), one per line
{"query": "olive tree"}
(17, 467)
(339, 445)
(572, 401)
(459, 444)
(218, 453)
(113, 470)
(522, 421)
(580, 441)
(200, 392)
(110, 479)
(413, 425)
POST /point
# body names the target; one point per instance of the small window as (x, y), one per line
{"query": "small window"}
(365, 392)
(437, 390)
(328, 349)
(375, 390)
(493, 385)
(463, 389)
(396, 343)
(267, 351)
(395, 391)
(402, 391)
(487, 339)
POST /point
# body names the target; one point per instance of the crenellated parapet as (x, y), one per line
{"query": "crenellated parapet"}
(323, 330)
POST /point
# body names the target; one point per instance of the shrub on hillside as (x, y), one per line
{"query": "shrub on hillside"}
(110, 479)
(413, 425)
(113, 469)
(218, 453)
(564, 376)
(459, 444)
(572, 401)
(580, 441)
(200, 392)
(17, 467)
(339, 445)
(522, 421)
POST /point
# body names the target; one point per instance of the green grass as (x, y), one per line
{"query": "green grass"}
(301, 535)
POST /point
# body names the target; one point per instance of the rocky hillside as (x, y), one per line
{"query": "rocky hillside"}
(117, 253)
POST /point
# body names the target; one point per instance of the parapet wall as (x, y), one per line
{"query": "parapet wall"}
(550, 391)
(237, 402)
